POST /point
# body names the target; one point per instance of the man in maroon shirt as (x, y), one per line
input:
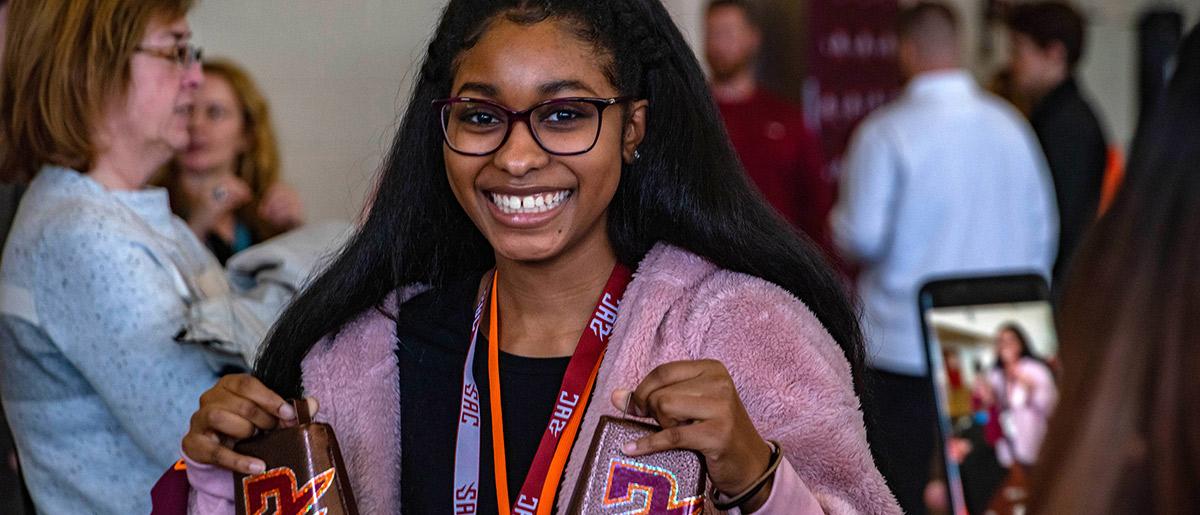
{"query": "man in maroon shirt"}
(779, 153)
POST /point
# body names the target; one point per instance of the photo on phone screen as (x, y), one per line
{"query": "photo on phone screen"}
(992, 348)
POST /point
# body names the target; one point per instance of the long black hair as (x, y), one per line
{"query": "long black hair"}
(1124, 436)
(687, 189)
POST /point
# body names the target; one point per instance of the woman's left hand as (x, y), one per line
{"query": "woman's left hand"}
(281, 207)
(698, 407)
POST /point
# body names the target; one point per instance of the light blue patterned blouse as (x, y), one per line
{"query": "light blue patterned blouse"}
(96, 389)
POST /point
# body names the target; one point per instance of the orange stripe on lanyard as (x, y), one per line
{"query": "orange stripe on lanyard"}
(554, 478)
(498, 457)
(549, 462)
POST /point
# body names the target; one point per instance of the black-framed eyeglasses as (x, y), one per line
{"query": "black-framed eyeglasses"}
(560, 126)
(183, 55)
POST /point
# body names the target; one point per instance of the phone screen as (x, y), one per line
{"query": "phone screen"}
(996, 384)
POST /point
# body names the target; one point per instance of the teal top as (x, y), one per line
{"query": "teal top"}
(242, 237)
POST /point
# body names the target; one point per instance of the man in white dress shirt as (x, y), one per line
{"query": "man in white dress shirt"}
(946, 180)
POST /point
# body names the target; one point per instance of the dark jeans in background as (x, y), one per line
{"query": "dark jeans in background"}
(902, 430)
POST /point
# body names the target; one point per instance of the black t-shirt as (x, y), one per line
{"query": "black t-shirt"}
(433, 329)
(1077, 154)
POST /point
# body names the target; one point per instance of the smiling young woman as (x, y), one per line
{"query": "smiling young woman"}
(556, 153)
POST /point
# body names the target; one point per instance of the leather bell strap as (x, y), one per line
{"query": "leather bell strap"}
(303, 416)
(545, 473)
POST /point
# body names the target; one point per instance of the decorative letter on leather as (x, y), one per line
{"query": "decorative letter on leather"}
(280, 483)
(656, 490)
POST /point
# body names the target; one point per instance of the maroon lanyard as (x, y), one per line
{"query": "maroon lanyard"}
(546, 470)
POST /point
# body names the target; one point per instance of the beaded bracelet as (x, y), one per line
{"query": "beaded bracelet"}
(740, 499)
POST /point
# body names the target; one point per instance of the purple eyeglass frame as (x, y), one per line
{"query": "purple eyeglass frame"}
(514, 116)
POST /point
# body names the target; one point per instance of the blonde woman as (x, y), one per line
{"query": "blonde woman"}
(225, 183)
(97, 274)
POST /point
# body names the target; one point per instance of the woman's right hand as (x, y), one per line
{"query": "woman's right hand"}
(983, 391)
(236, 408)
(281, 207)
(215, 198)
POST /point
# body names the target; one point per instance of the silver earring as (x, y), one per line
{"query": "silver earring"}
(637, 155)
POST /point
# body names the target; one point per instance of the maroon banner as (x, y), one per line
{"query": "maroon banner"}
(852, 67)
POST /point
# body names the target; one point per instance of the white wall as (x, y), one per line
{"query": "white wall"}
(689, 16)
(337, 75)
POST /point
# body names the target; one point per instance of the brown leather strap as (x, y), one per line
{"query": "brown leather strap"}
(302, 414)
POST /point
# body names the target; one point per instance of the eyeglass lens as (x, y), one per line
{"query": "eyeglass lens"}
(568, 127)
(189, 55)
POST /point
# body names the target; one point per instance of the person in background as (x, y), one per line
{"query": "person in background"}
(10, 191)
(12, 491)
(95, 387)
(779, 153)
(11, 188)
(1022, 389)
(948, 179)
(1047, 42)
(226, 182)
(1124, 438)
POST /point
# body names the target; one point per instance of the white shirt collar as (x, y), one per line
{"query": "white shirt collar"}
(940, 83)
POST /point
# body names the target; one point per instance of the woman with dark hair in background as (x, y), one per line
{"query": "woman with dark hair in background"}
(1126, 438)
(1022, 392)
(564, 144)
(226, 183)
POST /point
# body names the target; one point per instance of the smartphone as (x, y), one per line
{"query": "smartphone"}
(992, 349)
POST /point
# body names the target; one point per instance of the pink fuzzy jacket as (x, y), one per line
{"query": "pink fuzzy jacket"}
(791, 375)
